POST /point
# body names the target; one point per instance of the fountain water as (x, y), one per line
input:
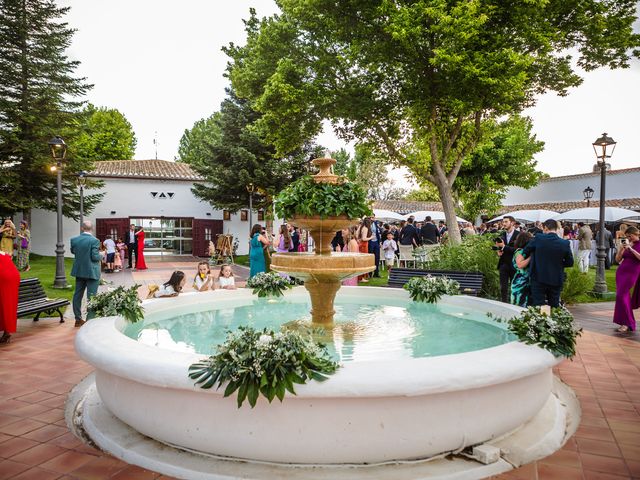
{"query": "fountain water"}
(323, 270)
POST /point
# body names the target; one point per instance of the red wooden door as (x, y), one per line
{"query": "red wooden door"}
(205, 231)
(116, 227)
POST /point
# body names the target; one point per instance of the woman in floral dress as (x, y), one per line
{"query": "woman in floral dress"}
(520, 285)
(24, 246)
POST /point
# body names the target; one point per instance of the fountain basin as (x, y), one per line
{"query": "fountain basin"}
(372, 411)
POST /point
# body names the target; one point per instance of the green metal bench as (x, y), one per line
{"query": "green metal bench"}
(32, 299)
(470, 282)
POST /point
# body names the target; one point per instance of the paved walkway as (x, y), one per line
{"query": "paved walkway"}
(39, 367)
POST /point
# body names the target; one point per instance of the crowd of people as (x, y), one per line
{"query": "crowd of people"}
(117, 252)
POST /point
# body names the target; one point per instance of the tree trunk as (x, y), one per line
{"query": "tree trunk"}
(448, 205)
(26, 216)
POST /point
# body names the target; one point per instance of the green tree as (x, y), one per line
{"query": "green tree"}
(38, 97)
(502, 159)
(195, 144)
(230, 155)
(417, 78)
(426, 193)
(103, 134)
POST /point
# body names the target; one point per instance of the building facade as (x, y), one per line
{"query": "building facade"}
(155, 194)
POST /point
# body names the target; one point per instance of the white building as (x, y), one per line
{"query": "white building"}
(564, 193)
(155, 194)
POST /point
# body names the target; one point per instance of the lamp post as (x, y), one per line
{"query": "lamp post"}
(604, 147)
(588, 195)
(58, 152)
(251, 188)
(81, 180)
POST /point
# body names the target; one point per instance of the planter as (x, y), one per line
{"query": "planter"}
(322, 229)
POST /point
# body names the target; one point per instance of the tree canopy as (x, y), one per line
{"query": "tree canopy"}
(39, 98)
(102, 134)
(230, 155)
(416, 79)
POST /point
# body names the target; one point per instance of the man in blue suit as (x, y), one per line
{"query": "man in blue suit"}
(550, 255)
(86, 268)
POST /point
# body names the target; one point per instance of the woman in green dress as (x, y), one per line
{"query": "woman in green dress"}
(257, 244)
(520, 285)
(24, 246)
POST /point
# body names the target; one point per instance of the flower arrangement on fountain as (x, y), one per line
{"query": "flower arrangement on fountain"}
(553, 330)
(269, 284)
(119, 301)
(430, 289)
(263, 362)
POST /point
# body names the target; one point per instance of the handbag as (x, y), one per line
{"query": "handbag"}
(24, 243)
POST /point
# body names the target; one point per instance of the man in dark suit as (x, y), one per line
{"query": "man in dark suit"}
(550, 255)
(86, 268)
(429, 232)
(409, 234)
(295, 240)
(132, 244)
(374, 245)
(505, 248)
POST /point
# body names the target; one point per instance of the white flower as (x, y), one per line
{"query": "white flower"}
(264, 340)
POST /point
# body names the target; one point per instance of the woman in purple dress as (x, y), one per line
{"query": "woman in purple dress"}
(628, 277)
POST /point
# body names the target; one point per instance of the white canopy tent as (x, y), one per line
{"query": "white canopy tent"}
(435, 215)
(381, 214)
(592, 214)
(528, 215)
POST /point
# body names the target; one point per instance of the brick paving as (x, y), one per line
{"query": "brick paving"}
(39, 367)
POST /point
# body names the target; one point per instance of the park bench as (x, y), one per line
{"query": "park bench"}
(470, 282)
(33, 300)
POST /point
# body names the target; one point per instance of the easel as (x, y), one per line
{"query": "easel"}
(223, 251)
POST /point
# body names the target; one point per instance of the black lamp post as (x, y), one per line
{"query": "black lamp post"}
(588, 195)
(251, 188)
(604, 147)
(81, 180)
(58, 152)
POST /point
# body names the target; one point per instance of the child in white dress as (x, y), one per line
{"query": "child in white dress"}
(203, 279)
(173, 287)
(226, 280)
(389, 248)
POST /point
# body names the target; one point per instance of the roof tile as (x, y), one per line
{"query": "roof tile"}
(148, 169)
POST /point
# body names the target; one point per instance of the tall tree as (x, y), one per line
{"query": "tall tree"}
(416, 78)
(369, 169)
(502, 159)
(230, 155)
(38, 97)
(102, 134)
(195, 144)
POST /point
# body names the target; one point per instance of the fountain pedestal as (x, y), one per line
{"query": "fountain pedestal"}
(323, 270)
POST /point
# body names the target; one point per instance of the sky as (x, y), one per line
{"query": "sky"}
(160, 63)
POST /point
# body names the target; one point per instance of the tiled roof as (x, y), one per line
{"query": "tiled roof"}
(620, 171)
(147, 169)
(629, 203)
(403, 207)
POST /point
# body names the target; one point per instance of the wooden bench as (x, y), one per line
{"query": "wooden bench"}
(470, 282)
(32, 299)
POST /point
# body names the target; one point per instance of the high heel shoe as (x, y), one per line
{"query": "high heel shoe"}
(5, 338)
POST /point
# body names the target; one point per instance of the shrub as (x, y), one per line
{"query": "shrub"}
(306, 197)
(474, 254)
(576, 285)
(430, 289)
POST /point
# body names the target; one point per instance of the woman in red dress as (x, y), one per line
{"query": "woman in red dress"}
(140, 265)
(9, 286)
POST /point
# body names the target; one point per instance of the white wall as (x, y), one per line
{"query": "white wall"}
(563, 189)
(132, 198)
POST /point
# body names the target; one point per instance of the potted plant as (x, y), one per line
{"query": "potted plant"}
(323, 204)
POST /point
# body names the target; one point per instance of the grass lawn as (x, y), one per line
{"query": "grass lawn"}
(44, 268)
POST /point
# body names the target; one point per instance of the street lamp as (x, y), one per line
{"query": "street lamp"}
(251, 188)
(604, 147)
(58, 153)
(588, 195)
(81, 181)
